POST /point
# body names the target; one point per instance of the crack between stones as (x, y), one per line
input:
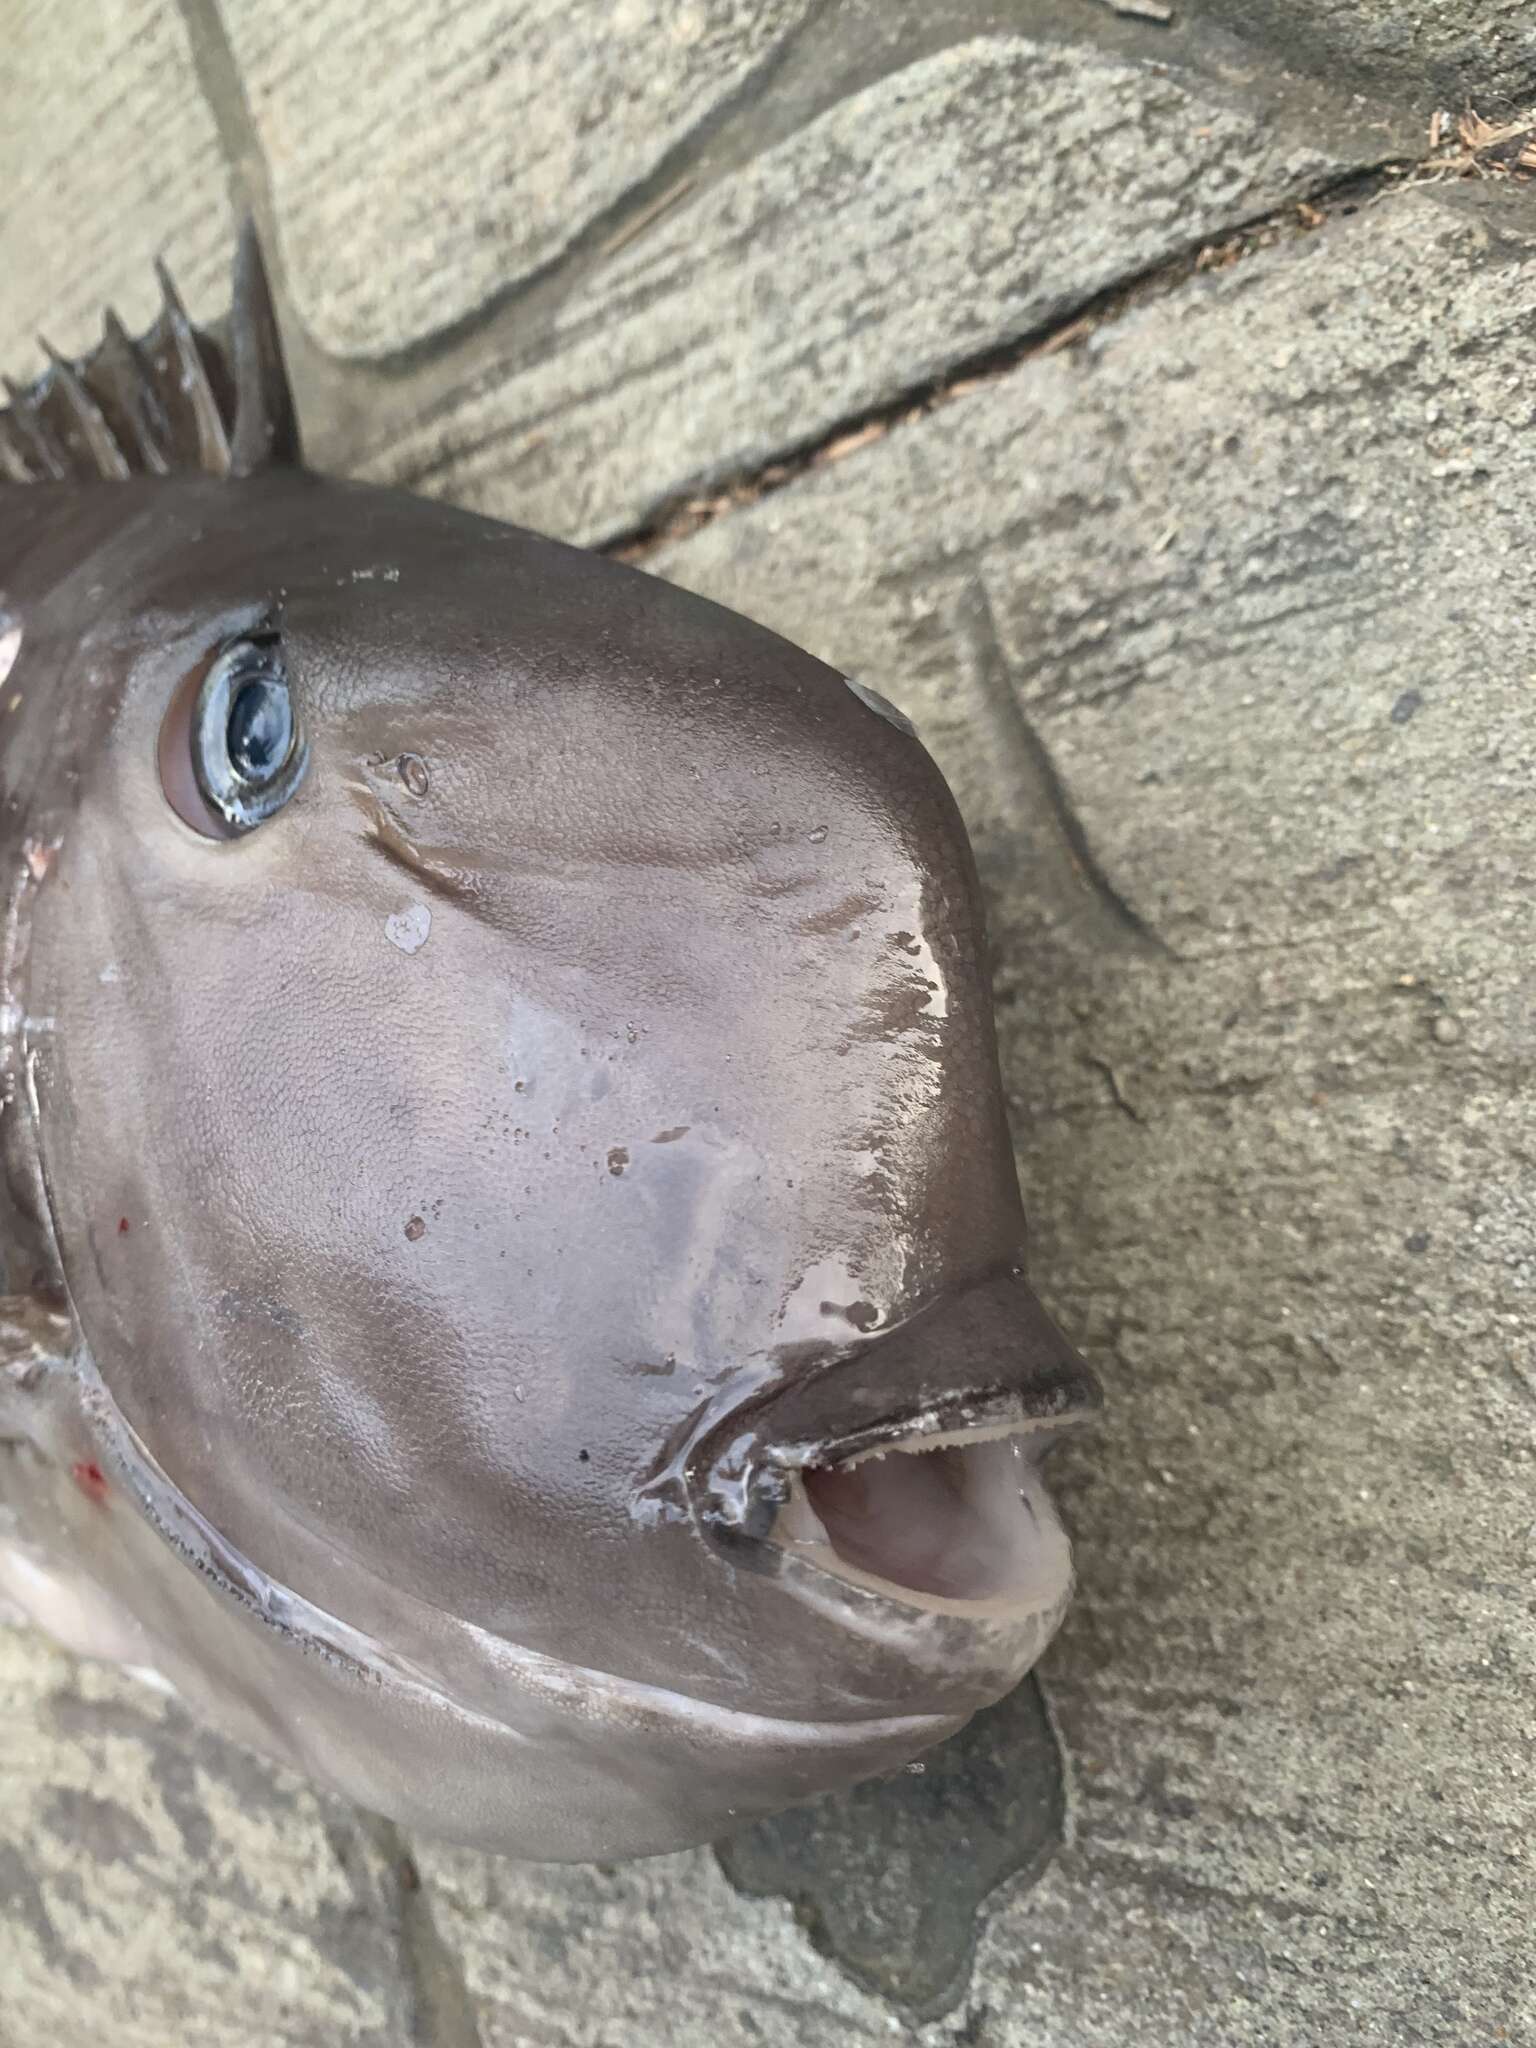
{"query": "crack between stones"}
(222, 84)
(1032, 800)
(217, 71)
(442, 2007)
(681, 514)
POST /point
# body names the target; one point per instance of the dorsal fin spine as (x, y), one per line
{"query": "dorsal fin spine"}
(192, 373)
(119, 376)
(90, 420)
(52, 461)
(266, 430)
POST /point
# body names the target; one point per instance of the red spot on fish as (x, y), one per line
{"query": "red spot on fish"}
(122, 1226)
(90, 1479)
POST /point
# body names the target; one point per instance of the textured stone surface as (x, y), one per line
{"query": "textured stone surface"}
(1255, 564)
(662, 1952)
(955, 205)
(158, 1885)
(426, 156)
(108, 157)
(1481, 52)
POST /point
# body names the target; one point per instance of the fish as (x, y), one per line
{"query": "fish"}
(515, 1303)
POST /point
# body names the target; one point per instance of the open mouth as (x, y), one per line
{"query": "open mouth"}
(907, 1465)
(954, 1518)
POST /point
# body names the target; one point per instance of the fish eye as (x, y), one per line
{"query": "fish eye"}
(247, 755)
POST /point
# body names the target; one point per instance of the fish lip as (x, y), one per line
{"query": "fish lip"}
(994, 1411)
(741, 1504)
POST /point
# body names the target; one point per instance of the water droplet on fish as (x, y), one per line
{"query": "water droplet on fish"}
(409, 929)
(412, 771)
(416, 1229)
(818, 835)
(10, 647)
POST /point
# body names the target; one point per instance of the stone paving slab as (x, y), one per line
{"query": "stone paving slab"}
(159, 1886)
(108, 157)
(657, 1952)
(887, 1878)
(958, 203)
(427, 154)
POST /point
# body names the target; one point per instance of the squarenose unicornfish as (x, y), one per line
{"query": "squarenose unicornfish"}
(514, 1292)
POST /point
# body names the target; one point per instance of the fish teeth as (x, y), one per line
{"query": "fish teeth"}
(926, 1435)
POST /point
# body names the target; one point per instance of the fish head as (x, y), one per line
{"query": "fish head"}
(523, 1131)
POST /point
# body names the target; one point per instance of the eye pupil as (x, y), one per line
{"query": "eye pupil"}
(260, 730)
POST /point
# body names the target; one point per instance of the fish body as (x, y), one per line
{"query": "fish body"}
(516, 1303)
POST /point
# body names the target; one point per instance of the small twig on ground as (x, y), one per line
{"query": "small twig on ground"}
(1144, 10)
(1467, 146)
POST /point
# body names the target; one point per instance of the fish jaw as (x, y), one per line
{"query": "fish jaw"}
(957, 1521)
(548, 1762)
(899, 1488)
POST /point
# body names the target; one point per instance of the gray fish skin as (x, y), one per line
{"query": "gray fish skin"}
(485, 1245)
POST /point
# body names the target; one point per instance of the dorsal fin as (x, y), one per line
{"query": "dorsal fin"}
(266, 432)
(178, 398)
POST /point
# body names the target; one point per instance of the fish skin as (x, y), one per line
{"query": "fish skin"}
(429, 1216)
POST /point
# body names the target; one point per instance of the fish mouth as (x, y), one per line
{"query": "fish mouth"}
(910, 1467)
(957, 1520)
